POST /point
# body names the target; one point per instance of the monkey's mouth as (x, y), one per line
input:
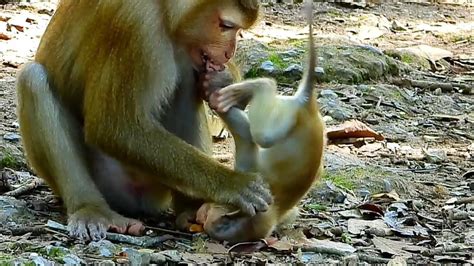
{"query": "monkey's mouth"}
(210, 64)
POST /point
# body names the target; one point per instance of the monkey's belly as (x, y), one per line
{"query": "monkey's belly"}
(120, 189)
(287, 159)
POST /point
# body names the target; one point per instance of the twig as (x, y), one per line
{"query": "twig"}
(444, 86)
(464, 200)
(441, 250)
(373, 259)
(168, 231)
(34, 230)
(26, 188)
(324, 249)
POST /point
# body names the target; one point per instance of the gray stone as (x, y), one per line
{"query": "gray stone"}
(319, 72)
(171, 255)
(71, 259)
(268, 66)
(103, 248)
(328, 94)
(39, 260)
(157, 258)
(12, 137)
(294, 70)
(13, 210)
(136, 257)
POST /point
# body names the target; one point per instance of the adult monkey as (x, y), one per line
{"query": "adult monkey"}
(110, 102)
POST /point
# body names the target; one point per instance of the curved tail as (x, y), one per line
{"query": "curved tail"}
(306, 86)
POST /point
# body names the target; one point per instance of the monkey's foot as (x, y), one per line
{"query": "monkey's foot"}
(185, 220)
(92, 223)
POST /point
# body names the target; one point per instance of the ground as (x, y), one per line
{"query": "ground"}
(406, 198)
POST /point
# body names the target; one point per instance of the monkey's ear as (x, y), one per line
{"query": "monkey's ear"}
(250, 4)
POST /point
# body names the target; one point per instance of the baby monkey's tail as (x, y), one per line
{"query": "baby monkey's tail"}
(306, 86)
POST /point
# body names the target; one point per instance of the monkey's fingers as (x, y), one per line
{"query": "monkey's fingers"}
(256, 198)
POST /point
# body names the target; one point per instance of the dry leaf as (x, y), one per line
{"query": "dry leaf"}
(215, 248)
(391, 247)
(352, 129)
(356, 226)
(392, 195)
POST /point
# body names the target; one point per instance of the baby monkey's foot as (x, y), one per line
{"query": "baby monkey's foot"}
(228, 97)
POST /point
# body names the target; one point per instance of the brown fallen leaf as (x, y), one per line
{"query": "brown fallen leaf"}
(248, 247)
(391, 246)
(392, 196)
(352, 129)
(371, 208)
(356, 226)
(4, 37)
(215, 248)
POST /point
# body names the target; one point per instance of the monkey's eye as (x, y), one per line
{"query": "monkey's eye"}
(226, 25)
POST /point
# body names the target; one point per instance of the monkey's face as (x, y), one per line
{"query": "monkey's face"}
(209, 33)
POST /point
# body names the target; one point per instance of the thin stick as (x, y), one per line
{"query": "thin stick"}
(168, 231)
(26, 188)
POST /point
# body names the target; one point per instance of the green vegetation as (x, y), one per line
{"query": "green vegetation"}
(340, 179)
(350, 178)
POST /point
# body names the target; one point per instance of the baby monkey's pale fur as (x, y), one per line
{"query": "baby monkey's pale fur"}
(282, 138)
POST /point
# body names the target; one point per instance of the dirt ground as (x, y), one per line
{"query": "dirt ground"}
(406, 199)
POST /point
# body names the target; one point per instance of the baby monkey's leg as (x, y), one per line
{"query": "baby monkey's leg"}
(233, 95)
(245, 149)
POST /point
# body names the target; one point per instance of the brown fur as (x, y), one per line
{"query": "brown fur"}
(110, 104)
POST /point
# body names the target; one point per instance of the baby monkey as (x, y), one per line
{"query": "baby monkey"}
(282, 138)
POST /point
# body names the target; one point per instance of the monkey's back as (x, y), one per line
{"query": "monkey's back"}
(291, 166)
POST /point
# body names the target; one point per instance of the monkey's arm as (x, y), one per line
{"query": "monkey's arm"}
(175, 163)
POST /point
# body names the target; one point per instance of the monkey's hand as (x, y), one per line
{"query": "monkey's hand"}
(212, 81)
(248, 192)
(92, 223)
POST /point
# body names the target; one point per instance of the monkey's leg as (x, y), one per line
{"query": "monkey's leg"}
(245, 149)
(54, 145)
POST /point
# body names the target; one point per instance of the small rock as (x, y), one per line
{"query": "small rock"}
(268, 66)
(157, 258)
(12, 137)
(290, 53)
(363, 192)
(436, 155)
(16, 125)
(294, 70)
(329, 94)
(438, 91)
(319, 72)
(12, 209)
(39, 261)
(136, 257)
(103, 248)
(387, 186)
(397, 26)
(71, 259)
(171, 255)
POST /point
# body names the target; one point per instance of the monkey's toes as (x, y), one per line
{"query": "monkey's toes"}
(127, 226)
(85, 229)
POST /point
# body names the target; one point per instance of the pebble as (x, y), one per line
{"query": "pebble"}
(268, 66)
(294, 69)
(12, 137)
(328, 94)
